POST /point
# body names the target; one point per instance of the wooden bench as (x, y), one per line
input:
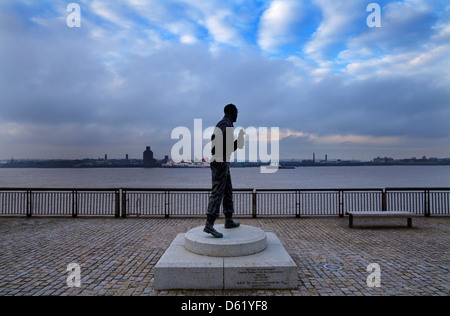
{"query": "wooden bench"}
(408, 215)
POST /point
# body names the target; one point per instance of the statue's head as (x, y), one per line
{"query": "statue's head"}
(232, 111)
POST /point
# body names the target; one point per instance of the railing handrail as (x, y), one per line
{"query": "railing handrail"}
(320, 190)
(62, 189)
(418, 189)
(234, 189)
(178, 190)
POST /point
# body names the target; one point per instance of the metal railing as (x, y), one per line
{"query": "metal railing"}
(427, 201)
(317, 202)
(60, 202)
(194, 202)
(178, 202)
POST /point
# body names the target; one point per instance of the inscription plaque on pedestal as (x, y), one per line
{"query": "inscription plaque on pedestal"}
(270, 269)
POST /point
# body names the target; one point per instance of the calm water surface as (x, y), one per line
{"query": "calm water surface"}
(300, 178)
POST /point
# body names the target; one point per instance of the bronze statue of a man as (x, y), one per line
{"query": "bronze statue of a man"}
(223, 145)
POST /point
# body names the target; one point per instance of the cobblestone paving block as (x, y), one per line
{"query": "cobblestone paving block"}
(117, 256)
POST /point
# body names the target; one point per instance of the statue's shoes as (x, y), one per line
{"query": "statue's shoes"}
(212, 231)
(229, 224)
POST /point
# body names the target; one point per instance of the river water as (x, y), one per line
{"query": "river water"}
(300, 178)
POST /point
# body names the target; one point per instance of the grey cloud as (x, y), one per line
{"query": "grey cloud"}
(63, 88)
(397, 106)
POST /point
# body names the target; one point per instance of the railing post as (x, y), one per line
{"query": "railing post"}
(384, 201)
(124, 204)
(254, 202)
(427, 204)
(29, 203)
(166, 204)
(341, 203)
(74, 204)
(117, 203)
(297, 203)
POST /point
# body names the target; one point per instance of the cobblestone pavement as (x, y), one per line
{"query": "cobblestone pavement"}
(117, 257)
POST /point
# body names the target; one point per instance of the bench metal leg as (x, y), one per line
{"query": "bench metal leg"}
(409, 222)
(350, 221)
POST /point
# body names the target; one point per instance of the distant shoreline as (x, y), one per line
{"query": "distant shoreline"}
(76, 164)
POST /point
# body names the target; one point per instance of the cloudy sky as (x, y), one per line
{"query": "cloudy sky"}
(137, 69)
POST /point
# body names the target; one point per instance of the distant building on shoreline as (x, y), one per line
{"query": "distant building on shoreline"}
(383, 160)
(149, 161)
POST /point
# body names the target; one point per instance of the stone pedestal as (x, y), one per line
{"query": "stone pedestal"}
(246, 258)
(238, 242)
